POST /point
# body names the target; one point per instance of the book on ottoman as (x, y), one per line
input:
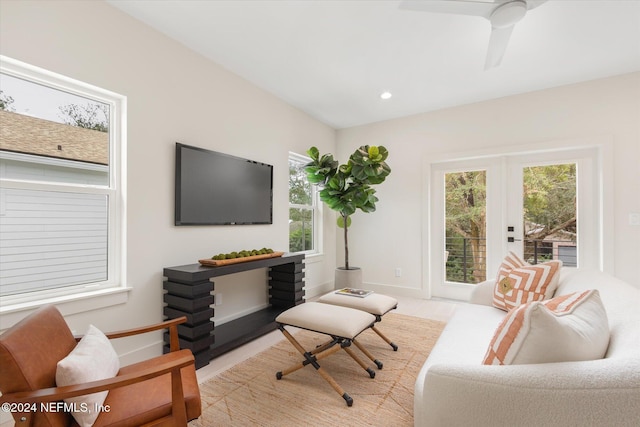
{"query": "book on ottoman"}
(360, 293)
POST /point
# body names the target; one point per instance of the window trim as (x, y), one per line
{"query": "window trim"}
(316, 209)
(113, 290)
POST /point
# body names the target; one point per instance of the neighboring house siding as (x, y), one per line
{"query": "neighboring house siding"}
(50, 239)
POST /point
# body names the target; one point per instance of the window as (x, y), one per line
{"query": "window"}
(304, 211)
(61, 185)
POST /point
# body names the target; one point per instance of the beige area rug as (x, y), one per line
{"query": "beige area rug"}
(250, 395)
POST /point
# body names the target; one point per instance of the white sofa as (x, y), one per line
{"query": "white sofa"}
(454, 388)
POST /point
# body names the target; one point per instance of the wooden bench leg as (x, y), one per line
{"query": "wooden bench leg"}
(323, 347)
(368, 354)
(364, 366)
(328, 378)
(388, 341)
(310, 359)
(325, 350)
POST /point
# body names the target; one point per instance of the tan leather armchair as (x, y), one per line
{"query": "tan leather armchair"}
(159, 391)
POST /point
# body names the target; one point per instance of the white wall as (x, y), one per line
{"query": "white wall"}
(174, 95)
(606, 109)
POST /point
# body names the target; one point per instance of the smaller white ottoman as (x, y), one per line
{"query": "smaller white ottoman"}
(376, 304)
(342, 324)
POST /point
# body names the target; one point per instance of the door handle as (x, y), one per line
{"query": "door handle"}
(513, 239)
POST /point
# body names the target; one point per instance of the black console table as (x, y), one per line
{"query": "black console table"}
(189, 294)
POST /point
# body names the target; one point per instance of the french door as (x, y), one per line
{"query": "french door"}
(541, 205)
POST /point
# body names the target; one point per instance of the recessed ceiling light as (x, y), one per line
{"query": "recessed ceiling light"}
(386, 95)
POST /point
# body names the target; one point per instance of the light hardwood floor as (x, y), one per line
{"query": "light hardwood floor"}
(429, 309)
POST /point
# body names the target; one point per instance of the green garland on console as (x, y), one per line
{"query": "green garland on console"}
(242, 254)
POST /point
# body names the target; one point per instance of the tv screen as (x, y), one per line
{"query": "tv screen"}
(217, 189)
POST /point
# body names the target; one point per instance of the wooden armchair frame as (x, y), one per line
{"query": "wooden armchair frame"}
(170, 363)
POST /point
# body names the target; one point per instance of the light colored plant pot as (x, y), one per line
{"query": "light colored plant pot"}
(351, 278)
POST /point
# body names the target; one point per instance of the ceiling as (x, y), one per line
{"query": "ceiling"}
(332, 59)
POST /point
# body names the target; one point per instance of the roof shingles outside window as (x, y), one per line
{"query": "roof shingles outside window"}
(31, 135)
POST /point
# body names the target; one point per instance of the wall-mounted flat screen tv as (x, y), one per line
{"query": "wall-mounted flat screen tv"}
(219, 189)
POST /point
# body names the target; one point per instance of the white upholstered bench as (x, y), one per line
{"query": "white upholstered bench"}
(342, 324)
(376, 304)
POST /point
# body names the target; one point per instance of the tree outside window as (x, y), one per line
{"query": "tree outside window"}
(302, 207)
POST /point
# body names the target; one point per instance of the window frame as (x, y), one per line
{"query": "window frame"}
(315, 207)
(113, 290)
(593, 154)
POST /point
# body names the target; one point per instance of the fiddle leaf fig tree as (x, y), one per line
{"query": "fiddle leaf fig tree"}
(348, 187)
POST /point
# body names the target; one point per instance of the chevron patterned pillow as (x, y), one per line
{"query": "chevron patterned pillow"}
(565, 328)
(519, 282)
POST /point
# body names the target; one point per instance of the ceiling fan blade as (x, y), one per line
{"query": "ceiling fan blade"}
(497, 46)
(532, 4)
(458, 7)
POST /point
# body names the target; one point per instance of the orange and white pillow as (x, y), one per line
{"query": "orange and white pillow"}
(519, 282)
(566, 328)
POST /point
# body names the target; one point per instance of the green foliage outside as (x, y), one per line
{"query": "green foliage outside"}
(301, 239)
(465, 207)
(549, 207)
(550, 198)
(299, 188)
(92, 116)
(5, 102)
(300, 216)
(89, 116)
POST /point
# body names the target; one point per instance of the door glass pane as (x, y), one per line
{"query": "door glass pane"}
(465, 222)
(550, 219)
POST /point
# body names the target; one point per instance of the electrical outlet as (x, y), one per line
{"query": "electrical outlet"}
(398, 272)
(634, 218)
(218, 299)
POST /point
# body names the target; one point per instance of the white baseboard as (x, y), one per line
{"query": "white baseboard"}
(322, 289)
(395, 290)
(376, 287)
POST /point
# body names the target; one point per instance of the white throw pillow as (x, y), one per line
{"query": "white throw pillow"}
(565, 328)
(93, 359)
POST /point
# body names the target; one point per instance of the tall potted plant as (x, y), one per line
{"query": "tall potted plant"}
(347, 188)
